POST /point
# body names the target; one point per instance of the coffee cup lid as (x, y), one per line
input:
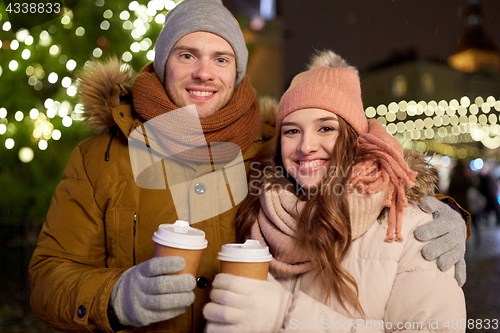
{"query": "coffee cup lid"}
(181, 236)
(250, 251)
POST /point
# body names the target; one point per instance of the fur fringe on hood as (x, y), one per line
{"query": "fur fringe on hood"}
(102, 87)
(427, 179)
(269, 109)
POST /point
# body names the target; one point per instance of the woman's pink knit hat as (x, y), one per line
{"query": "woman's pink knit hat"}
(330, 84)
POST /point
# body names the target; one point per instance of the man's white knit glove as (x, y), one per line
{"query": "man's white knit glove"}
(246, 305)
(145, 295)
(447, 235)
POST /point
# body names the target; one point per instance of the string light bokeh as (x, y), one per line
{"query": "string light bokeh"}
(444, 127)
(47, 59)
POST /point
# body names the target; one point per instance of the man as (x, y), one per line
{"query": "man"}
(92, 269)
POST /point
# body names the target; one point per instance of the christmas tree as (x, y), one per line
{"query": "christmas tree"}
(40, 116)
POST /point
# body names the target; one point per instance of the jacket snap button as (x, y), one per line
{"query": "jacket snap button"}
(199, 188)
(81, 311)
(121, 114)
(202, 282)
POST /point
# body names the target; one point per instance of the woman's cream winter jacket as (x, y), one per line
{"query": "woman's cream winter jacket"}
(398, 289)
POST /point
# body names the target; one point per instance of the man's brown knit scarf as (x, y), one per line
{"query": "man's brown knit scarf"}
(238, 122)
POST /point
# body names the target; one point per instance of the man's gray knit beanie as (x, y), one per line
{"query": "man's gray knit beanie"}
(200, 15)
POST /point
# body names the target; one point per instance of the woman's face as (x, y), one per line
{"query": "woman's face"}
(308, 137)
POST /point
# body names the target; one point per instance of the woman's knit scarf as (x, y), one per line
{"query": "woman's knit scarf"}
(238, 122)
(389, 170)
(373, 185)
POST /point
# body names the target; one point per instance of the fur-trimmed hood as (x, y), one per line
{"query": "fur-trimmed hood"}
(103, 86)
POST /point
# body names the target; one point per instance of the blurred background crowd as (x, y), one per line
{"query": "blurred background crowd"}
(430, 73)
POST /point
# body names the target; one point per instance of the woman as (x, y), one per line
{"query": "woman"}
(327, 195)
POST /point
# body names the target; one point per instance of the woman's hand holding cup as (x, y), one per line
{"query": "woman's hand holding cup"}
(245, 297)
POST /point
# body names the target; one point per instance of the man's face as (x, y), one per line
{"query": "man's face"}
(201, 70)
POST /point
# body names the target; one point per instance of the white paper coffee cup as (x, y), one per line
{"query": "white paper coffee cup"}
(182, 240)
(250, 259)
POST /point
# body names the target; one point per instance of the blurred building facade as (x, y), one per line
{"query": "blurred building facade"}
(455, 104)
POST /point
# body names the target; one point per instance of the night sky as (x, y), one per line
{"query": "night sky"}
(367, 32)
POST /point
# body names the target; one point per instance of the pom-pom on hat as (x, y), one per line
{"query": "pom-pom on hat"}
(200, 15)
(330, 84)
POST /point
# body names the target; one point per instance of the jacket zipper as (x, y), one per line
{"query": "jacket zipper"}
(133, 245)
(106, 154)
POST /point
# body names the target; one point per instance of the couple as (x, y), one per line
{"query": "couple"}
(92, 269)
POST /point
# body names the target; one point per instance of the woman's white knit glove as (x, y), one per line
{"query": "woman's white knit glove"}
(246, 305)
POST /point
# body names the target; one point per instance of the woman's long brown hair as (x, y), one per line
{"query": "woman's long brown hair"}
(323, 227)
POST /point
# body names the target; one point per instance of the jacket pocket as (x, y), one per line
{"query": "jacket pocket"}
(120, 229)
